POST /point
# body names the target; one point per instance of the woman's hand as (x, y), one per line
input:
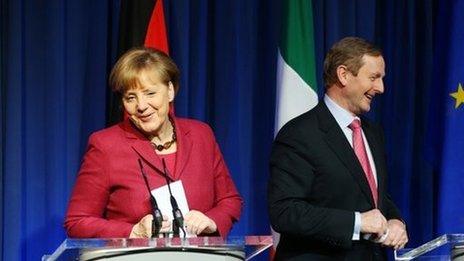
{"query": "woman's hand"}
(143, 228)
(196, 223)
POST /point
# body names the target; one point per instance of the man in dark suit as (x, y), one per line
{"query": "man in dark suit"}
(328, 187)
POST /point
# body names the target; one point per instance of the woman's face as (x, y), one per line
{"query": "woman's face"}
(148, 103)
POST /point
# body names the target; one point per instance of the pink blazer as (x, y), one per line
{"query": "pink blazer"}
(110, 195)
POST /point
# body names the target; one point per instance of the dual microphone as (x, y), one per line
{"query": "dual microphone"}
(178, 218)
(178, 222)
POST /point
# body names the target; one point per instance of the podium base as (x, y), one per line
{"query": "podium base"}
(171, 253)
(189, 249)
(457, 253)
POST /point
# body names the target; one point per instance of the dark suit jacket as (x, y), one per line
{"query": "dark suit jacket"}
(316, 185)
(110, 195)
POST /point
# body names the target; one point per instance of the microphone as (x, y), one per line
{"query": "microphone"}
(178, 222)
(157, 221)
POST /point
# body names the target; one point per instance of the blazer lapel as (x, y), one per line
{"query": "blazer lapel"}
(337, 141)
(184, 147)
(142, 146)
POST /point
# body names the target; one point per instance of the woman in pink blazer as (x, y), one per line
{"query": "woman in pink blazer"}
(110, 198)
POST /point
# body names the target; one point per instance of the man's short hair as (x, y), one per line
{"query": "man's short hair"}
(349, 51)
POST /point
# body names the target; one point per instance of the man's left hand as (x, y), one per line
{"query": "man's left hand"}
(397, 236)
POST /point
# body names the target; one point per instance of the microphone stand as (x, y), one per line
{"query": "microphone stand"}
(157, 221)
(178, 221)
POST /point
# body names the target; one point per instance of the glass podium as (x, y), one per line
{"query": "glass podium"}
(445, 247)
(196, 248)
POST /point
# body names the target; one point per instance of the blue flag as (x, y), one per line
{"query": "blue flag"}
(451, 173)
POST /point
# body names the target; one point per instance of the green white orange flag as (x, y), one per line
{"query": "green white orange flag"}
(296, 68)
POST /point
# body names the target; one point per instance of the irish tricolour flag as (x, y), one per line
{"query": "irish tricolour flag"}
(296, 68)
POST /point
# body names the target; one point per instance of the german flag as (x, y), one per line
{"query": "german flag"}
(141, 23)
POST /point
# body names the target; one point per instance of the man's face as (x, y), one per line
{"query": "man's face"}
(361, 89)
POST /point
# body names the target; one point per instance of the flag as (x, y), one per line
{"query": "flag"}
(451, 173)
(156, 36)
(296, 67)
(141, 23)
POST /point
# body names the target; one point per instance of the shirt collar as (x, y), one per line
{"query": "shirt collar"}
(343, 117)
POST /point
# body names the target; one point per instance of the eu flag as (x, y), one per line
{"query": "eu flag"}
(450, 207)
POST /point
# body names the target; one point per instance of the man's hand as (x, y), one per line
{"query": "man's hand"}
(373, 222)
(397, 236)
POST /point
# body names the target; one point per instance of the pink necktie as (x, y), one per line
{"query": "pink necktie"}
(360, 151)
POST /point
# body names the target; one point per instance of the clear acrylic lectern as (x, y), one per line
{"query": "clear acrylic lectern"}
(446, 247)
(196, 248)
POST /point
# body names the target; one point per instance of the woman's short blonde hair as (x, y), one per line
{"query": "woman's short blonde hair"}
(127, 70)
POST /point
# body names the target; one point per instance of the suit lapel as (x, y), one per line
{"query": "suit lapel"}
(184, 147)
(338, 143)
(142, 146)
(145, 150)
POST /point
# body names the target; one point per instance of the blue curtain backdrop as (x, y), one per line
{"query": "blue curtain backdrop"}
(226, 54)
(55, 56)
(54, 64)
